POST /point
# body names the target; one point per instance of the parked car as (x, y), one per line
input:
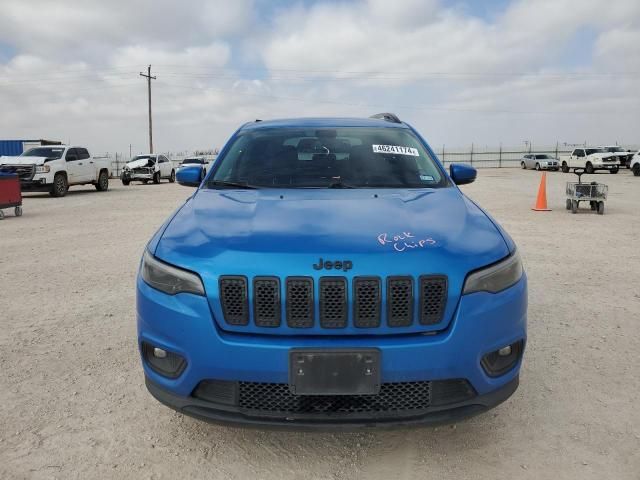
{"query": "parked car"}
(591, 159)
(191, 161)
(148, 168)
(355, 287)
(55, 168)
(539, 161)
(623, 155)
(635, 164)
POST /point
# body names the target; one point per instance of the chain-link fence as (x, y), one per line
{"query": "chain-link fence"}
(479, 157)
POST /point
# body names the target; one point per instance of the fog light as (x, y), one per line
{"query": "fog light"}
(165, 363)
(160, 353)
(503, 352)
(502, 360)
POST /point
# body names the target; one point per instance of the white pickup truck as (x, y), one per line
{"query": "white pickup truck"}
(624, 156)
(55, 168)
(591, 159)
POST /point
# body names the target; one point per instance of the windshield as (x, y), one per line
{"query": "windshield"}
(594, 150)
(350, 157)
(193, 160)
(543, 157)
(49, 152)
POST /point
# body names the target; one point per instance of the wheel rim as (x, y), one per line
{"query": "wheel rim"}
(60, 185)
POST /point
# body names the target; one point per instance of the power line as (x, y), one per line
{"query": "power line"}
(398, 107)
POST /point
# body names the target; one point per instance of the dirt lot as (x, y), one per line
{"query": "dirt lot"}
(73, 403)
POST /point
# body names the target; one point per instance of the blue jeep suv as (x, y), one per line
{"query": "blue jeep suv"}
(330, 273)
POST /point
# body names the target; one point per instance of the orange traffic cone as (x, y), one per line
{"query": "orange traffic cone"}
(541, 201)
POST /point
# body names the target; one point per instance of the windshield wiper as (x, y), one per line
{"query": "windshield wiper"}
(224, 183)
(340, 185)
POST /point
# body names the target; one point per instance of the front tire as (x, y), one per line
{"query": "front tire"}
(103, 182)
(18, 211)
(568, 204)
(614, 170)
(523, 165)
(589, 168)
(565, 167)
(636, 170)
(60, 185)
(538, 167)
(172, 177)
(156, 178)
(600, 208)
(574, 206)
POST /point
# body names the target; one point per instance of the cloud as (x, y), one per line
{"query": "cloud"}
(70, 69)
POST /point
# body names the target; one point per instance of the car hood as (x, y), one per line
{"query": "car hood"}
(137, 163)
(285, 232)
(602, 156)
(23, 160)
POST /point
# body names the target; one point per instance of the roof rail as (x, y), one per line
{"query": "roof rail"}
(388, 117)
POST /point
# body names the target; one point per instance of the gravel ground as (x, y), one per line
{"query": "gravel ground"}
(73, 403)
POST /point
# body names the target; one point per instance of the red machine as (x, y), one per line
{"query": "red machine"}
(10, 193)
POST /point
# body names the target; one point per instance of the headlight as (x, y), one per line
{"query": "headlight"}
(43, 169)
(169, 279)
(495, 278)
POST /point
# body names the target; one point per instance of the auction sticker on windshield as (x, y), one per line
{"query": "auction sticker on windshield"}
(396, 149)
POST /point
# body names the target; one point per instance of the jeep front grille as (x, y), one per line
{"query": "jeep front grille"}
(366, 302)
(433, 294)
(233, 296)
(300, 305)
(340, 301)
(399, 301)
(266, 304)
(333, 302)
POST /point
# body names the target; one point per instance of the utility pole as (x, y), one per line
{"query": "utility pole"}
(149, 78)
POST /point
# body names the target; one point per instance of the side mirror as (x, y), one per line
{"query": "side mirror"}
(462, 174)
(190, 176)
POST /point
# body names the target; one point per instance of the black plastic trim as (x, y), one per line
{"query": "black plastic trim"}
(242, 319)
(356, 303)
(306, 323)
(425, 317)
(333, 323)
(409, 321)
(277, 305)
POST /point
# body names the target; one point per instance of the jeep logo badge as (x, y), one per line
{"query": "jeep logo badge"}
(344, 265)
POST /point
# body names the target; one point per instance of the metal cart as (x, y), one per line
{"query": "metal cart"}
(10, 193)
(594, 193)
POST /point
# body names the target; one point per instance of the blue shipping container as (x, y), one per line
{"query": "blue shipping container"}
(11, 148)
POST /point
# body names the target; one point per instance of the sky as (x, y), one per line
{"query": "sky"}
(461, 72)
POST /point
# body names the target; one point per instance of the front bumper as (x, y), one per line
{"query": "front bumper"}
(183, 324)
(138, 176)
(40, 183)
(226, 415)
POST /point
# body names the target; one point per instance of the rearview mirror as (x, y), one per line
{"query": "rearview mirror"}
(190, 176)
(462, 174)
